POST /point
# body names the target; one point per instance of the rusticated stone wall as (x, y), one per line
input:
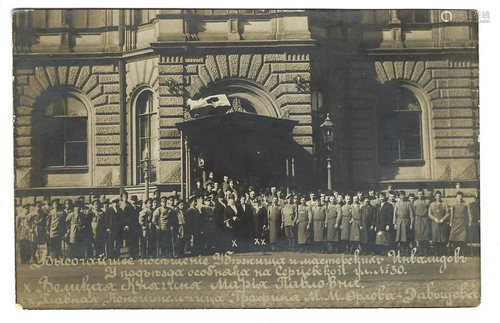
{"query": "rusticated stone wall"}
(99, 84)
(451, 91)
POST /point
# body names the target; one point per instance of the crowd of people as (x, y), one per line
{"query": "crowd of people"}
(227, 217)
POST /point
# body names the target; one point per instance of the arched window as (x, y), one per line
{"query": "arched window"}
(400, 126)
(65, 132)
(144, 133)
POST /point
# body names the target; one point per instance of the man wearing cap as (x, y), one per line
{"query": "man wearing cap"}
(23, 234)
(37, 222)
(115, 218)
(132, 226)
(86, 230)
(194, 219)
(273, 222)
(422, 223)
(367, 233)
(166, 221)
(356, 225)
(319, 223)
(98, 224)
(304, 219)
(210, 180)
(460, 222)
(312, 200)
(288, 220)
(439, 214)
(184, 233)
(345, 224)
(403, 222)
(333, 216)
(56, 229)
(75, 221)
(145, 221)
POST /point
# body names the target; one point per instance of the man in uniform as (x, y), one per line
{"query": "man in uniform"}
(75, 221)
(166, 220)
(304, 219)
(333, 216)
(422, 223)
(288, 220)
(345, 224)
(56, 229)
(460, 222)
(146, 223)
(98, 228)
(194, 220)
(273, 222)
(23, 234)
(37, 222)
(355, 225)
(403, 222)
(439, 214)
(367, 233)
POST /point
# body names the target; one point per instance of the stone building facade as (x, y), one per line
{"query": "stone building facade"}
(98, 91)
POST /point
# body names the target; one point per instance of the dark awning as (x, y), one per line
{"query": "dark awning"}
(235, 124)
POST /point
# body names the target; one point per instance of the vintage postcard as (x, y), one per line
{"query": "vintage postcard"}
(246, 158)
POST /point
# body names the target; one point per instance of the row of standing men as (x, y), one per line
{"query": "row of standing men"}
(217, 222)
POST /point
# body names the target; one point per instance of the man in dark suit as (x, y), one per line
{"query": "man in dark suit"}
(382, 224)
(132, 226)
(246, 216)
(114, 218)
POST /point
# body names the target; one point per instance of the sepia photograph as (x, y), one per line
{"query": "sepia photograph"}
(246, 158)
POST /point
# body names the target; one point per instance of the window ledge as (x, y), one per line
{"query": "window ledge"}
(405, 162)
(66, 169)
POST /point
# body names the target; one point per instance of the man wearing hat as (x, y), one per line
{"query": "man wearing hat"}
(56, 228)
(132, 226)
(115, 219)
(23, 234)
(166, 221)
(288, 219)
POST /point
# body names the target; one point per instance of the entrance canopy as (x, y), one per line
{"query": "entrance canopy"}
(250, 148)
(236, 123)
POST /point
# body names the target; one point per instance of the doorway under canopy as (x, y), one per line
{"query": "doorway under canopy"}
(249, 148)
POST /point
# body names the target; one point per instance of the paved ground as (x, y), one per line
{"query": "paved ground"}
(281, 279)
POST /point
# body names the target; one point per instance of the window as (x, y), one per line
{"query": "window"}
(145, 149)
(65, 133)
(400, 126)
(414, 16)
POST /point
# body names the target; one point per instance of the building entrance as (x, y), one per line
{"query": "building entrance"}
(251, 149)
